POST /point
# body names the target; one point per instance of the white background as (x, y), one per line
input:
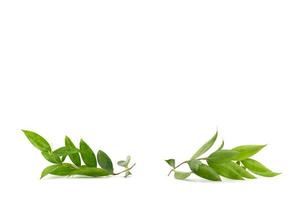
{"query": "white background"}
(153, 79)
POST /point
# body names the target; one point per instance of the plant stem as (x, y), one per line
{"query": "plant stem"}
(128, 169)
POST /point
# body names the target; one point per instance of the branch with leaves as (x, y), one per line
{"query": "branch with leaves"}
(230, 163)
(76, 156)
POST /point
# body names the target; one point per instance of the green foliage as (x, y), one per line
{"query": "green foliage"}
(105, 161)
(229, 163)
(58, 156)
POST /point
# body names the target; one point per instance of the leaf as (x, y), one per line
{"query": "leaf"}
(128, 173)
(87, 154)
(240, 170)
(64, 151)
(63, 158)
(124, 163)
(221, 146)
(203, 170)
(38, 141)
(247, 151)
(205, 147)
(225, 170)
(51, 157)
(258, 168)
(75, 158)
(181, 175)
(59, 170)
(223, 156)
(90, 171)
(104, 161)
(171, 162)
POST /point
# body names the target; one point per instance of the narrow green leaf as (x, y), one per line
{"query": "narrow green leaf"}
(51, 157)
(221, 146)
(247, 151)
(90, 171)
(87, 154)
(63, 158)
(181, 175)
(65, 151)
(203, 170)
(38, 141)
(258, 168)
(104, 161)
(204, 148)
(59, 170)
(75, 158)
(223, 156)
(225, 170)
(243, 172)
(171, 162)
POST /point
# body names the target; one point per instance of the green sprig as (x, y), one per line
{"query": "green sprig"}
(229, 163)
(77, 156)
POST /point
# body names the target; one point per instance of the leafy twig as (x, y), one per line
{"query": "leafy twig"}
(84, 154)
(232, 163)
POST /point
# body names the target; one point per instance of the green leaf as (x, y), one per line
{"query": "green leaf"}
(223, 156)
(247, 151)
(90, 171)
(258, 168)
(75, 158)
(171, 162)
(87, 154)
(181, 175)
(203, 170)
(105, 161)
(128, 173)
(225, 170)
(221, 146)
(205, 147)
(243, 172)
(38, 141)
(63, 158)
(51, 157)
(59, 170)
(64, 151)
(124, 163)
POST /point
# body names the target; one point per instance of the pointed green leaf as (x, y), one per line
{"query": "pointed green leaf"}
(105, 161)
(225, 170)
(247, 151)
(63, 158)
(258, 168)
(171, 162)
(75, 158)
(205, 147)
(48, 170)
(64, 151)
(203, 170)
(243, 172)
(221, 146)
(87, 154)
(38, 141)
(223, 156)
(51, 157)
(59, 170)
(90, 171)
(181, 175)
